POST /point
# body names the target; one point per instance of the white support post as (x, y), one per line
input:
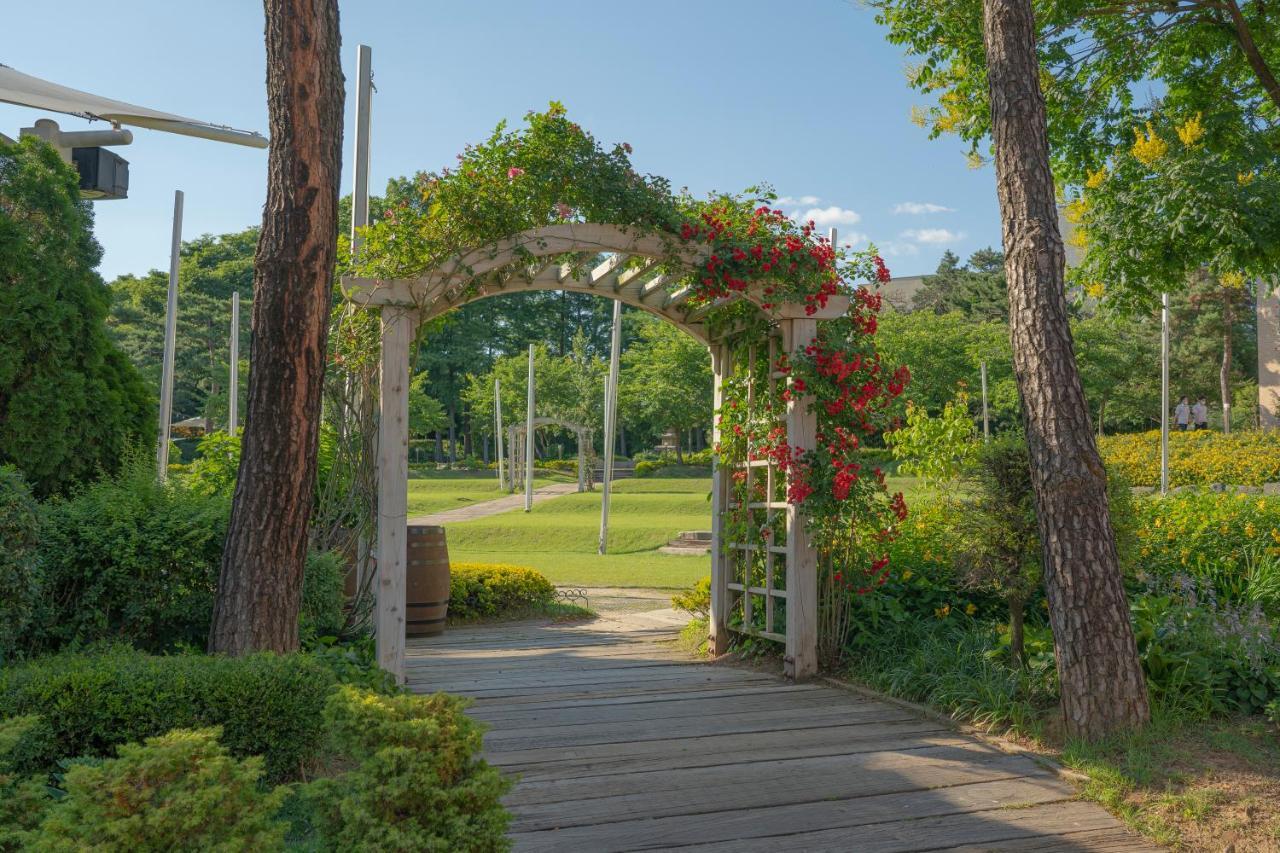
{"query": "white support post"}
(610, 423)
(801, 661)
(986, 420)
(528, 441)
(398, 326)
(718, 624)
(233, 381)
(497, 433)
(364, 106)
(1164, 393)
(170, 340)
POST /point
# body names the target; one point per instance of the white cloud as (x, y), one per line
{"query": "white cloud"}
(898, 249)
(802, 201)
(824, 217)
(918, 207)
(932, 235)
(854, 239)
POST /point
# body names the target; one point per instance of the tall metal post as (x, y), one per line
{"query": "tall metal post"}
(1164, 393)
(986, 419)
(170, 340)
(233, 381)
(497, 417)
(360, 191)
(528, 441)
(610, 422)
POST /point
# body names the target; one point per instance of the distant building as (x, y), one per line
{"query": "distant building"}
(899, 292)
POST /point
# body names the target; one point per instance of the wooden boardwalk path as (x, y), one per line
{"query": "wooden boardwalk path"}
(621, 742)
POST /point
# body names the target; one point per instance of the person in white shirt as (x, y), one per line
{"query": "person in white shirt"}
(1182, 414)
(1200, 414)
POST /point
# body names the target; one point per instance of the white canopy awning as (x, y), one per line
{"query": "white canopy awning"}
(27, 91)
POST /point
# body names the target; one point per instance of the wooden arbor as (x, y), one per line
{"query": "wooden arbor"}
(517, 466)
(637, 270)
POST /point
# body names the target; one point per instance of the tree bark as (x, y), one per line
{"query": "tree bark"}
(260, 585)
(1101, 680)
(1244, 37)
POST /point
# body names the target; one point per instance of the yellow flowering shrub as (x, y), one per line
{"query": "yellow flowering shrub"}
(482, 590)
(1204, 533)
(1246, 458)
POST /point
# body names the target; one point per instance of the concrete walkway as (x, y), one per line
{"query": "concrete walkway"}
(480, 510)
(621, 742)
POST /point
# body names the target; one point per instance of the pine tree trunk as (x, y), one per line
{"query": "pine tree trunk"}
(1101, 680)
(260, 585)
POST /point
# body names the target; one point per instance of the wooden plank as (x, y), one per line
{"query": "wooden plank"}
(676, 753)
(654, 696)
(643, 730)
(869, 767)
(1070, 826)
(717, 627)
(667, 832)
(797, 782)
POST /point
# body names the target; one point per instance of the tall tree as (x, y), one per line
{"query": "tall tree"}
(260, 585)
(1100, 677)
(71, 405)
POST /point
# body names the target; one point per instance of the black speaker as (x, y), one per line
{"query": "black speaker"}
(104, 175)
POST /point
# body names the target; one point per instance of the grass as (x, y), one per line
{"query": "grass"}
(1191, 784)
(436, 491)
(559, 537)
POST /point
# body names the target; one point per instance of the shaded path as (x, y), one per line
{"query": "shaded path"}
(621, 742)
(493, 507)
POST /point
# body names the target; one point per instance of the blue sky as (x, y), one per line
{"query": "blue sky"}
(715, 95)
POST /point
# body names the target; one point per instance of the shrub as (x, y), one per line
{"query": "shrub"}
(132, 559)
(419, 783)
(20, 579)
(645, 468)
(1245, 458)
(483, 590)
(22, 800)
(695, 600)
(91, 703)
(218, 461)
(323, 596)
(1231, 539)
(179, 791)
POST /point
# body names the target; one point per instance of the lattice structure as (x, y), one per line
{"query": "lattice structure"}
(754, 522)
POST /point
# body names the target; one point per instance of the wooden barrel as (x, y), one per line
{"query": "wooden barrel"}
(427, 580)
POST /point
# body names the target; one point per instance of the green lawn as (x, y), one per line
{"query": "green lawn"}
(559, 537)
(435, 491)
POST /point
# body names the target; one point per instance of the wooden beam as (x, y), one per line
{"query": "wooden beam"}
(717, 623)
(678, 298)
(627, 276)
(398, 327)
(801, 659)
(656, 285)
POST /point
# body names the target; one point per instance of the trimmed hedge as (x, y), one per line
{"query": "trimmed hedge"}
(91, 703)
(487, 590)
(1200, 457)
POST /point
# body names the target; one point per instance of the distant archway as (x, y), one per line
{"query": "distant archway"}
(644, 270)
(517, 466)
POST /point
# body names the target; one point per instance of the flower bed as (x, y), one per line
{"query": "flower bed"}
(1246, 458)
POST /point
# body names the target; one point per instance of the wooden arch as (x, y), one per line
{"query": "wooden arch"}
(641, 269)
(517, 463)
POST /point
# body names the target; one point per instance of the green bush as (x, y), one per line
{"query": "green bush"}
(21, 581)
(695, 600)
(323, 596)
(645, 468)
(178, 791)
(129, 558)
(487, 590)
(91, 703)
(419, 783)
(218, 461)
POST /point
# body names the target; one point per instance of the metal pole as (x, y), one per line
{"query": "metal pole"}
(1164, 393)
(360, 191)
(528, 441)
(610, 422)
(233, 383)
(986, 420)
(497, 415)
(170, 340)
